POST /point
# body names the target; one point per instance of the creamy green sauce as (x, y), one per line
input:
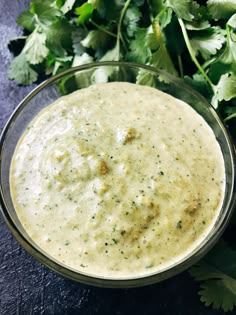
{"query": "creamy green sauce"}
(118, 180)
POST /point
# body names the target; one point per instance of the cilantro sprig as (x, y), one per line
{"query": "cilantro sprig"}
(195, 40)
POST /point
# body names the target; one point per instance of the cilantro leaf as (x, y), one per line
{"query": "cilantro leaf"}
(131, 20)
(138, 52)
(199, 84)
(21, 72)
(97, 40)
(26, 20)
(46, 14)
(108, 9)
(208, 42)
(182, 8)
(226, 87)
(197, 25)
(84, 12)
(218, 271)
(35, 49)
(67, 6)
(225, 62)
(219, 294)
(80, 60)
(156, 6)
(62, 64)
(59, 37)
(160, 57)
(221, 9)
(101, 75)
(77, 36)
(164, 17)
(232, 21)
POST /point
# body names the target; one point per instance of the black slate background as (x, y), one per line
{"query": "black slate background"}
(27, 287)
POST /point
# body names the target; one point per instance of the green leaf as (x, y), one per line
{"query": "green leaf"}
(62, 64)
(112, 54)
(81, 60)
(60, 3)
(164, 17)
(160, 57)
(138, 52)
(218, 273)
(225, 62)
(26, 20)
(226, 87)
(67, 6)
(103, 74)
(77, 36)
(222, 9)
(85, 12)
(197, 25)
(219, 294)
(97, 40)
(59, 37)
(198, 83)
(155, 6)
(144, 77)
(208, 42)
(174, 38)
(46, 14)
(131, 20)
(182, 8)
(21, 72)
(232, 21)
(108, 9)
(35, 49)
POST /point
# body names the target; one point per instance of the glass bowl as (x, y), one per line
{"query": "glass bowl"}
(83, 76)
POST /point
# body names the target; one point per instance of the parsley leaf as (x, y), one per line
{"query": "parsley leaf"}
(218, 271)
(221, 9)
(21, 72)
(208, 42)
(35, 49)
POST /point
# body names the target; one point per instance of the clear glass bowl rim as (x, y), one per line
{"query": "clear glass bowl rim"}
(101, 281)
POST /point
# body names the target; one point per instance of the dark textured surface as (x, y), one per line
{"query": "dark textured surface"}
(26, 287)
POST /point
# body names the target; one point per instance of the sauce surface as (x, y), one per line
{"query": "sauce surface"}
(118, 180)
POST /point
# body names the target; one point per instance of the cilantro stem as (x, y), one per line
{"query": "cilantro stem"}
(192, 54)
(119, 35)
(230, 117)
(180, 66)
(208, 62)
(102, 29)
